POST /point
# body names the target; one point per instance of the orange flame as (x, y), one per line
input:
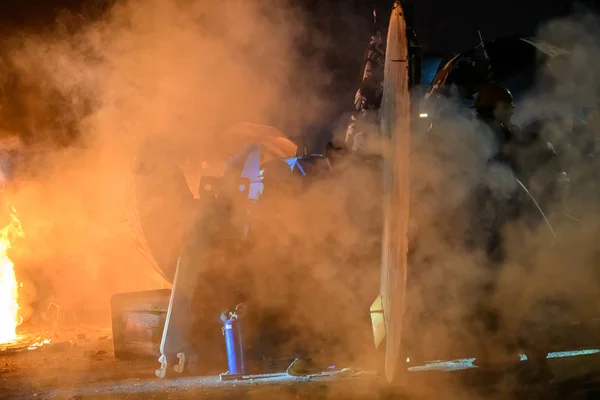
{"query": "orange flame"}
(9, 287)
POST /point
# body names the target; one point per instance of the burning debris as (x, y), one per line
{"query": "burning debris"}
(9, 286)
(24, 342)
(10, 317)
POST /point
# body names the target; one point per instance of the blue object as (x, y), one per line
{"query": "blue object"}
(236, 358)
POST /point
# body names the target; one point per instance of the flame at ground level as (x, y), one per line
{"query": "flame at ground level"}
(9, 287)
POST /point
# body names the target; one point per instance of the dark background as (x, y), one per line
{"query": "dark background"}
(439, 23)
(441, 26)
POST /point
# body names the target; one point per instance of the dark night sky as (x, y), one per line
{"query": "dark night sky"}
(438, 22)
(441, 25)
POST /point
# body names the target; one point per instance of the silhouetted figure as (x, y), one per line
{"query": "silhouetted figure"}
(498, 200)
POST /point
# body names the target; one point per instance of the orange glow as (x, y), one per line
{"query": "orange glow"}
(9, 287)
(38, 344)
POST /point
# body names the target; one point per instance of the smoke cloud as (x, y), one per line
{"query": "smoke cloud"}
(179, 74)
(91, 92)
(548, 283)
(172, 77)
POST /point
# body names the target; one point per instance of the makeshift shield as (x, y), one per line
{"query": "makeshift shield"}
(395, 129)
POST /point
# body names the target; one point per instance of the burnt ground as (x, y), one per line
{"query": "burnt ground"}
(79, 364)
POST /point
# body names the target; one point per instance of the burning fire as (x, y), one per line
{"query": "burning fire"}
(9, 287)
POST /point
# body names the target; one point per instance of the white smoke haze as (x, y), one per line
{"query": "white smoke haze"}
(179, 74)
(183, 72)
(540, 268)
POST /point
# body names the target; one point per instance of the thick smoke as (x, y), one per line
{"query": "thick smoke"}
(563, 107)
(179, 73)
(549, 280)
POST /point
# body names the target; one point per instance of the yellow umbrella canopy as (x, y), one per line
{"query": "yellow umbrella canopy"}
(273, 143)
(163, 189)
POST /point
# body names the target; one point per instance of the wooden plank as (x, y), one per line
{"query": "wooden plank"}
(395, 129)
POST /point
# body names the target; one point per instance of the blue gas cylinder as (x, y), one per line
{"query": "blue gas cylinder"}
(236, 358)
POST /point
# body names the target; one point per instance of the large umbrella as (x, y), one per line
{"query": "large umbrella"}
(273, 143)
(162, 191)
(512, 62)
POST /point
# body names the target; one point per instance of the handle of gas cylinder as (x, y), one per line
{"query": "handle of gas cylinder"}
(240, 310)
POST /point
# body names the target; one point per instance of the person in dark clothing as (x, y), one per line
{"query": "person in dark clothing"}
(498, 200)
(494, 107)
(521, 150)
(491, 210)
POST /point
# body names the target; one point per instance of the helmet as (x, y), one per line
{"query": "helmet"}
(492, 94)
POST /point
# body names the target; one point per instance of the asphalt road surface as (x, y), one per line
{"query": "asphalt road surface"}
(80, 365)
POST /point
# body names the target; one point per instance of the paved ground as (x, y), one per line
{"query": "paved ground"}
(79, 364)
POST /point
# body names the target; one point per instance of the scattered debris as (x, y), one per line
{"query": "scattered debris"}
(57, 347)
(298, 367)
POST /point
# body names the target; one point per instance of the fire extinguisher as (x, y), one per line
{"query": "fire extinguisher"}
(236, 356)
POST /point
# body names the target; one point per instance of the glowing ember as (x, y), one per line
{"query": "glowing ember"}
(9, 287)
(38, 344)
